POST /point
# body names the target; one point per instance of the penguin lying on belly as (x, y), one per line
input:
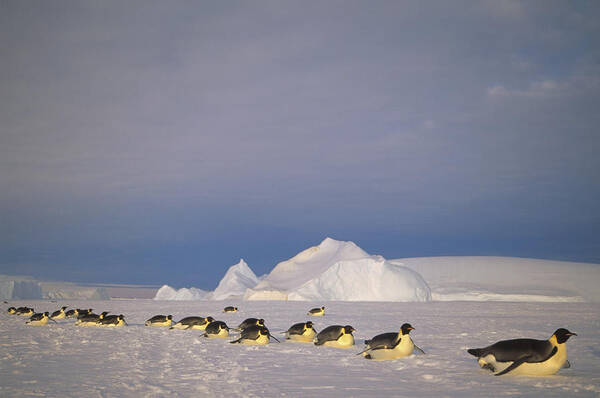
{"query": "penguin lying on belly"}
(527, 357)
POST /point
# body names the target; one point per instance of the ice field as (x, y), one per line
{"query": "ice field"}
(66, 360)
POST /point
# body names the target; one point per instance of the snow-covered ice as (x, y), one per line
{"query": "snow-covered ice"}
(66, 360)
(237, 279)
(338, 270)
(166, 292)
(476, 278)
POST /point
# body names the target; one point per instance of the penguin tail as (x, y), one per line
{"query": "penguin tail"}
(477, 352)
(235, 341)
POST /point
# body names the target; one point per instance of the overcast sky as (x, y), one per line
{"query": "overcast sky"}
(160, 142)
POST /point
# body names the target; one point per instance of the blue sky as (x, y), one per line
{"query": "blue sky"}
(159, 142)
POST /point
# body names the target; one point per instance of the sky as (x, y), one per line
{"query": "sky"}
(160, 142)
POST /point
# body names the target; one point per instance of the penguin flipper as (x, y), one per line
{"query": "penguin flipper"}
(417, 348)
(365, 350)
(236, 341)
(513, 366)
(566, 365)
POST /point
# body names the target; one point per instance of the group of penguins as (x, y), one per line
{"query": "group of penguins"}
(528, 357)
(85, 317)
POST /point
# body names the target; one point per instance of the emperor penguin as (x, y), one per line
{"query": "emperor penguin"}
(160, 320)
(317, 311)
(527, 357)
(254, 335)
(302, 332)
(38, 319)
(230, 309)
(60, 314)
(216, 329)
(24, 311)
(388, 346)
(193, 322)
(81, 313)
(72, 313)
(112, 321)
(336, 336)
(90, 319)
(250, 322)
(11, 310)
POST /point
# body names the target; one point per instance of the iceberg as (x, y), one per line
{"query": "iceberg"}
(166, 292)
(339, 270)
(12, 287)
(237, 279)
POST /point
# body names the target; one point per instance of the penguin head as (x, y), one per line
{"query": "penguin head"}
(323, 308)
(562, 335)
(406, 328)
(169, 317)
(63, 309)
(349, 329)
(260, 322)
(209, 319)
(46, 313)
(309, 324)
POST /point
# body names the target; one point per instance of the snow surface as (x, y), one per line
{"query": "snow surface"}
(65, 360)
(237, 279)
(166, 292)
(507, 279)
(338, 270)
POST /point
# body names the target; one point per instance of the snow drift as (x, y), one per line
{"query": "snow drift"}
(507, 279)
(166, 292)
(337, 270)
(237, 279)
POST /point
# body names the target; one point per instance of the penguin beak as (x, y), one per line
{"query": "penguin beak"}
(571, 334)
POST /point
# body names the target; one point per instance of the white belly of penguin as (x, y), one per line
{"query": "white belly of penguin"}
(223, 333)
(165, 323)
(261, 340)
(307, 337)
(345, 341)
(403, 349)
(546, 368)
(41, 322)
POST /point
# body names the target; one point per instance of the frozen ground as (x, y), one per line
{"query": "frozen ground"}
(65, 360)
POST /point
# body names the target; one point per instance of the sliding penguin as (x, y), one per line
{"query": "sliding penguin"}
(336, 336)
(39, 319)
(216, 329)
(254, 335)
(11, 310)
(193, 322)
(230, 309)
(91, 319)
(112, 321)
(250, 322)
(303, 332)
(160, 320)
(528, 357)
(317, 311)
(60, 314)
(389, 346)
(24, 311)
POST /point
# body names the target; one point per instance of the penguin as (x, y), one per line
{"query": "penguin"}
(112, 321)
(72, 313)
(528, 357)
(81, 313)
(317, 311)
(254, 335)
(38, 319)
(11, 310)
(160, 320)
(250, 322)
(388, 346)
(303, 332)
(60, 314)
(336, 336)
(193, 322)
(216, 329)
(24, 311)
(91, 319)
(230, 309)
